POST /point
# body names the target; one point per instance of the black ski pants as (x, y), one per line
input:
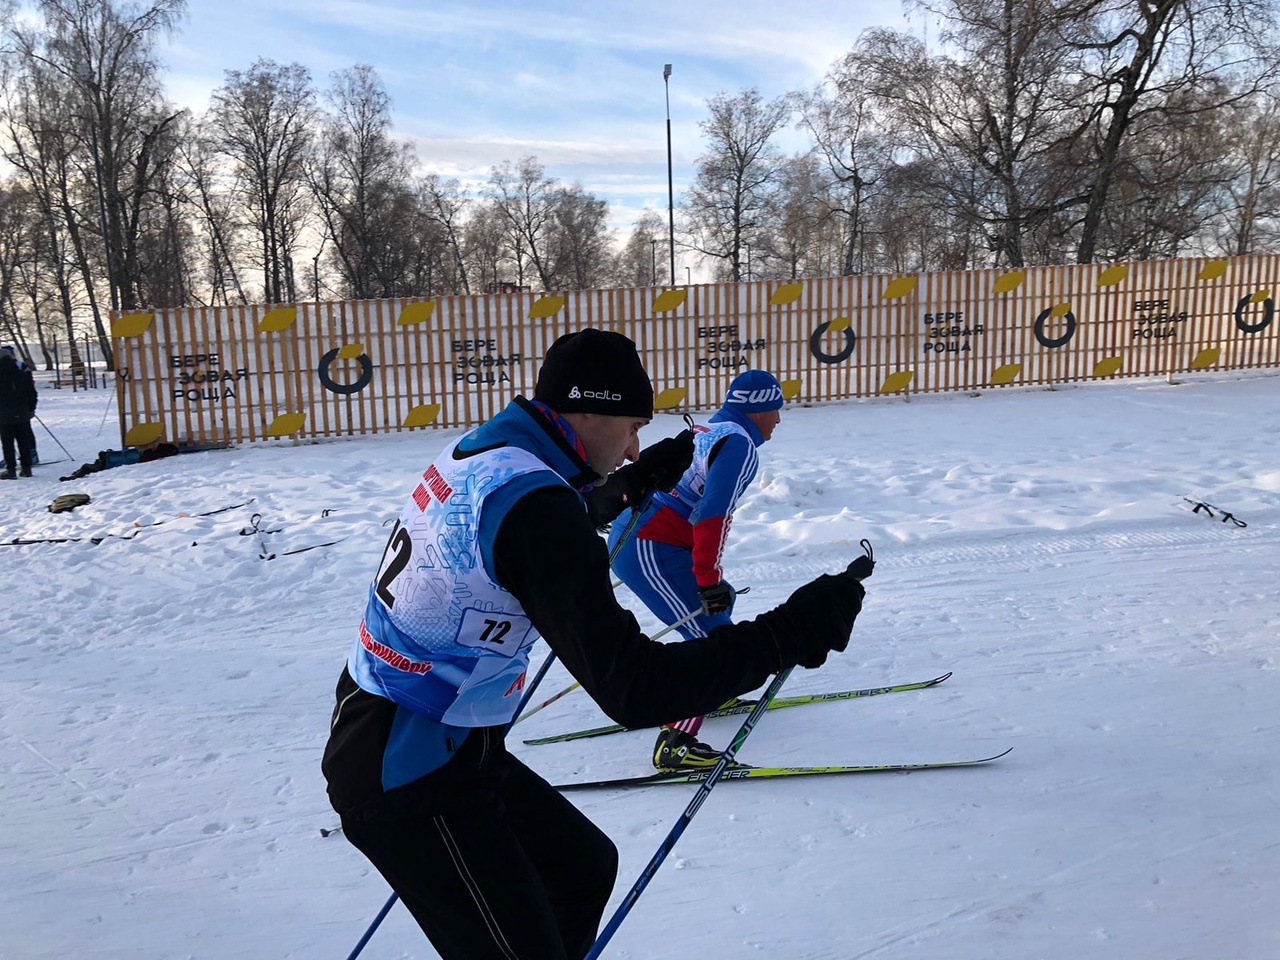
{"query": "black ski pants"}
(499, 866)
(19, 433)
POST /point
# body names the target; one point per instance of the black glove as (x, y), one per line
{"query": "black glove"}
(658, 467)
(818, 617)
(865, 565)
(718, 597)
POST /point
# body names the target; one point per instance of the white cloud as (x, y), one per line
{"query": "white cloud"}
(579, 86)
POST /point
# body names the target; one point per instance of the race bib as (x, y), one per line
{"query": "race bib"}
(495, 632)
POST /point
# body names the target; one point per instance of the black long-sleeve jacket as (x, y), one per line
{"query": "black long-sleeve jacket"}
(18, 395)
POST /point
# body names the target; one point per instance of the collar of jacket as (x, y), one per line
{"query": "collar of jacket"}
(732, 415)
(521, 425)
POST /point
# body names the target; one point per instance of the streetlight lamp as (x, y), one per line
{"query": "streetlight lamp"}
(671, 190)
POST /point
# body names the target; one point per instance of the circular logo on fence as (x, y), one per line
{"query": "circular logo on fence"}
(1069, 317)
(346, 389)
(1268, 312)
(815, 344)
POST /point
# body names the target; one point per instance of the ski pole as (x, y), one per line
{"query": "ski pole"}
(386, 908)
(548, 702)
(704, 789)
(542, 672)
(50, 433)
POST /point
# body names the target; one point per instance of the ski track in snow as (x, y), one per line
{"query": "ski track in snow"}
(168, 693)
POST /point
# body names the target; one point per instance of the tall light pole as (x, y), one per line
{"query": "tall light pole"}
(653, 262)
(671, 190)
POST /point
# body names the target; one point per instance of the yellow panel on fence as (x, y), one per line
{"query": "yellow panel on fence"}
(670, 397)
(424, 414)
(1060, 310)
(1005, 374)
(546, 307)
(1113, 275)
(1206, 358)
(669, 300)
(897, 381)
(789, 389)
(286, 424)
(1108, 366)
(1260, 296)
(1009, 281)
(416, 313)
(838, 324)
(351, 351)
(143, 434)
(900, 287)
(787, 293)
(281, 318)
(1212, 270)
(132, 324)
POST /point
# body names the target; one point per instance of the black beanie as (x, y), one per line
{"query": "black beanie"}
(595, 371)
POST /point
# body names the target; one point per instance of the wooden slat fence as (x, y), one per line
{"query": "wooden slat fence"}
(213, 375)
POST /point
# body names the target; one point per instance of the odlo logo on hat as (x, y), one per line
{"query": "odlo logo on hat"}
(576, 394)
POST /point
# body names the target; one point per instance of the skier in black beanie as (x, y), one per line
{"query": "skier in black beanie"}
(497, 545)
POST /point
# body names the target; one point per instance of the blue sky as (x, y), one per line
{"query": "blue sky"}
(577, 84)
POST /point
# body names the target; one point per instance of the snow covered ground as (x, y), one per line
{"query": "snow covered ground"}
(166, 693)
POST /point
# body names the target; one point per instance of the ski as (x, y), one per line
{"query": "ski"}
(747, 772)
(744, 706)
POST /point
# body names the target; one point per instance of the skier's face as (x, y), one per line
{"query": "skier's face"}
(609, 441)
(766, 422)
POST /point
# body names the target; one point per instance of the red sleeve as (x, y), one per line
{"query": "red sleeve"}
(708, 544)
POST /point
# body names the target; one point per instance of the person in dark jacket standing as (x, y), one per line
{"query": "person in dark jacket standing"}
(497, 545)
(23, 365)
(18, 400)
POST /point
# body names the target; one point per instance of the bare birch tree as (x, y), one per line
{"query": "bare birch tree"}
(364, 187)
(522, 196)
(1136, 59)
(1249, 203)
(857, 148)
(264, 120)
(638, 263)
(735, 179)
